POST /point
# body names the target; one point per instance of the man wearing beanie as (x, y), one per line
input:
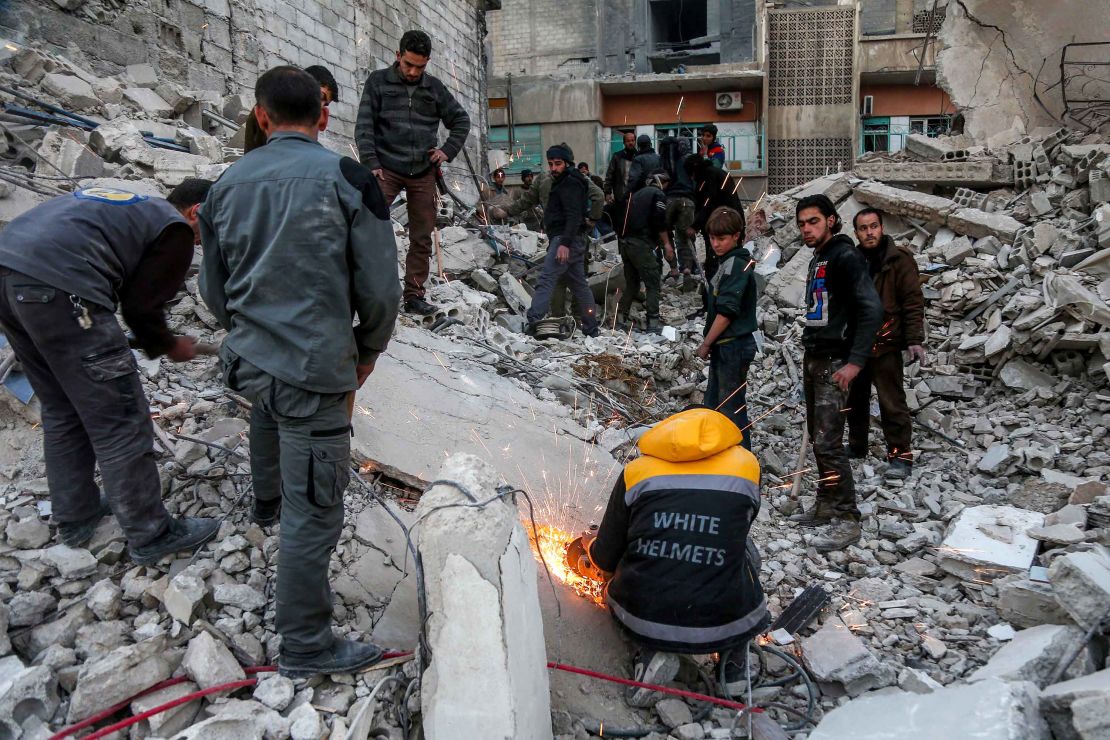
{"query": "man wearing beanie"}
(564, 220)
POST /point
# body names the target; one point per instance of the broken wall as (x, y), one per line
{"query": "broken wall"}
(223, 45)
(1001, 60)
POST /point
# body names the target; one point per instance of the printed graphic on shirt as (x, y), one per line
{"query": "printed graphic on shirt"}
(110, 195)
(718, 276)
(817, 307)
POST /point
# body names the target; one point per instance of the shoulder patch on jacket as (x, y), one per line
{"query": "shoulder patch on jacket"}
(363, 179)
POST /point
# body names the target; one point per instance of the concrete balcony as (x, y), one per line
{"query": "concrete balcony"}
(895, 59)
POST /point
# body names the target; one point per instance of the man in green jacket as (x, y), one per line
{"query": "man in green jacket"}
(287, 290)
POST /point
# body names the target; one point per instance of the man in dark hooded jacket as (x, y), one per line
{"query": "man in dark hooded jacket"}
(645, 162)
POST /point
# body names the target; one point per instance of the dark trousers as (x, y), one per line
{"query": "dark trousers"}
(300, 452)
(826, 408)
(728, 381)
(94, 410)
(575, 271)
(712, 262)
(885, 373)
(420, 195)
(680, 216)
(640, 265)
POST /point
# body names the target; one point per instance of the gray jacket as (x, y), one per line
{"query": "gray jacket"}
(398, 123)
(297, 241)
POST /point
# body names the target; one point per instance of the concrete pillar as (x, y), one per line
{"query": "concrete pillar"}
(488, 671)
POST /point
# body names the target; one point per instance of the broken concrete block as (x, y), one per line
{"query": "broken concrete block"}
(931, 208)
(71, 562)
(27, 532)
(674, 713)
(1057, 701)
(1081, 582)
(834, 655)
(201, 144)
(1029, 603)
(995, 459)
(485, 628)
(305, 723)
(31, 65)
(957, 250)
(1058, 534)
(104, 599)
(184, 596)
(208, 662)
(978, 224)
(119, 675)
(142, 75)
(1032, 655)
(275, 691)
(172, 168)
(1091, 717)
(986, 542)
(788, 286)
(69, 153)
(986, 710)
(28, 692)
(172, 721)
(72, 92)
(917, 681)
(239, 595)
(147, 101)
(515, 294)
(1020, 374)
(121, 140)
(929, 149)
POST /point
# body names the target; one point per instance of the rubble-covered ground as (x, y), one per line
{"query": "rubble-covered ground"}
(988, 566)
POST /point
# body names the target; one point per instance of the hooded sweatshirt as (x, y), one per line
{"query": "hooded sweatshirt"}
(675, 537)
(843, 311)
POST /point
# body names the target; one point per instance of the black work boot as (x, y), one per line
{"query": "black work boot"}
(77, 534)
(344, 656)
(899, 469)
(186, 533)
(735, 682)
(837, 536)
(419, 306)
(653, 325)
(266, 513)
(855, 453)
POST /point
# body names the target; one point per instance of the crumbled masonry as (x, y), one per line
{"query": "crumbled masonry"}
(1005, 520)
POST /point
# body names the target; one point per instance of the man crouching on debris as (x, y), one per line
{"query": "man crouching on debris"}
(296, 240)
(564, 219)
(65, 266)
(684, 575)
(843, 312)
(898, 283)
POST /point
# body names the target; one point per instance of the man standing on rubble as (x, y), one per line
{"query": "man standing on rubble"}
(843, 313)
(397, 132)
(644, 163)
(329, 93)
(565, 221)
(644, 227)
(286, 289)
(64, 267)
(616, 174)
(683, 574)
(898, 283)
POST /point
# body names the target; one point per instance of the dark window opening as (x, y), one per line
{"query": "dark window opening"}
(683, 32)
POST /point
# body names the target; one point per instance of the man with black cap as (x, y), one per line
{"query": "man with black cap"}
(565, 223)
(647, 160)
(843, 313)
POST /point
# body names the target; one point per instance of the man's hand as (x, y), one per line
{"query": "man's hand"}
(378, 173)
(183, 349)
(917, 352)
(362, 372)
(609, 198)
(668, 252)
(562, 254)
(703, 350)
(845, 375)
(437, 156)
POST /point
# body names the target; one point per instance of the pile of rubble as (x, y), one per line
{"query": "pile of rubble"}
(979, 580)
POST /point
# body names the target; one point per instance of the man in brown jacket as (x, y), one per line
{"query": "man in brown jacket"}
(898, 284)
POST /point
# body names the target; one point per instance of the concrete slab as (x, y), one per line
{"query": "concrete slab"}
(531, 444)
(1032, 655)
(986, 542)
(1057, 701)
(986, 710)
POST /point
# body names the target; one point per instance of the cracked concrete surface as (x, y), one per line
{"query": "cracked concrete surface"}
(998, 57)
(430, 397)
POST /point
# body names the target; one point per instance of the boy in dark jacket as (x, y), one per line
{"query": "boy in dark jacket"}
(685, 576)
(843, 313)
(729, 344)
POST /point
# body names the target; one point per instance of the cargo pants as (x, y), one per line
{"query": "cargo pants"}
(826, 409)
(885, 372)
(94, 410)
(640, 265)
(300, 449)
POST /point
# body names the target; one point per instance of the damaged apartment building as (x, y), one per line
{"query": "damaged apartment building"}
(215, 48)
(797, 88)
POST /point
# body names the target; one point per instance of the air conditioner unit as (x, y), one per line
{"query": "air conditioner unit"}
(868, 105)
(729, 101)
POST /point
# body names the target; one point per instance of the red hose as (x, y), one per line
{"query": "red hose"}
(243, 683)
(640, 685)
